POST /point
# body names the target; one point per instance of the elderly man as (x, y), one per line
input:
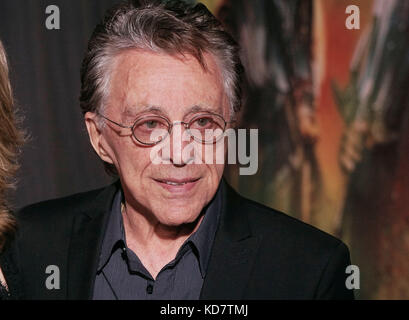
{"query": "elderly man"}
(153, 75)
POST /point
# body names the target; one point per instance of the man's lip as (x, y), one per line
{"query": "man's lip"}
(176, 181)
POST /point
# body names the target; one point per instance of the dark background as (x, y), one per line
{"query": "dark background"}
(45, 71)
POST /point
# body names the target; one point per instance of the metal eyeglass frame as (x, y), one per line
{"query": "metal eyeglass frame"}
(170, 126)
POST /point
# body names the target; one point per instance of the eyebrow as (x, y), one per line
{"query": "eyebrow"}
(138, 110)
(199, 108)
(134, 110)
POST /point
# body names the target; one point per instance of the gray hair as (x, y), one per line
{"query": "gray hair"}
(171, 27)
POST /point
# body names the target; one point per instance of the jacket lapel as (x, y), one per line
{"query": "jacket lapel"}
(233, 251)
(85, 246)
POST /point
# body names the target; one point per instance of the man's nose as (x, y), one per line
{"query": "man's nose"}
(179, 139)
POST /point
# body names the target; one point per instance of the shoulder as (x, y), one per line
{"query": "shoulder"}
(301, 261)
(60, 208)
(283, 233)
(263, 220)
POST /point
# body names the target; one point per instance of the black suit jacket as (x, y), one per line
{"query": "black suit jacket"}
(258, 253)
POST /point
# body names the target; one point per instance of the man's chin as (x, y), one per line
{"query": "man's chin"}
(177, 214)
(174, 220)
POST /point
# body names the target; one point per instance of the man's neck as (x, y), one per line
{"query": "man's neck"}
(155, 244)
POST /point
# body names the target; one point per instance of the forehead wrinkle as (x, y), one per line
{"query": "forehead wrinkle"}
(127, 94)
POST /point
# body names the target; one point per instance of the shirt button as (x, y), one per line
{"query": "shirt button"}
(149, 289)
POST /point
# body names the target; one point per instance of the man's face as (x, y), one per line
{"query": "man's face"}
(146, 83)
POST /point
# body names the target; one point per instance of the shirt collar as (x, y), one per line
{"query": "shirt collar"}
(113, 237)
(202, 239)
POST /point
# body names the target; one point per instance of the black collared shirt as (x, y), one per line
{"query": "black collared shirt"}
(121, 275)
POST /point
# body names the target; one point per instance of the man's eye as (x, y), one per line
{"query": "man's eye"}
(151, 124)
(202, 122)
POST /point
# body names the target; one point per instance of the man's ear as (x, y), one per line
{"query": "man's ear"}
(95, 136)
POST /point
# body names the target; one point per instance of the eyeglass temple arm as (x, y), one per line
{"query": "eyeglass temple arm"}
(231, 121)
(112, 121)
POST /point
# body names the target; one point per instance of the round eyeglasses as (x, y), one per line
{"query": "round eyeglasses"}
(149, 130)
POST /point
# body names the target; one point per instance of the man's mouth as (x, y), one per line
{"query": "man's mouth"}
(177, 182)
(177, 185)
